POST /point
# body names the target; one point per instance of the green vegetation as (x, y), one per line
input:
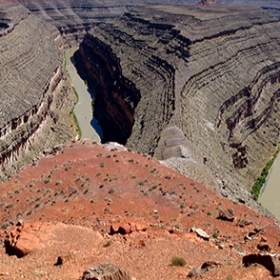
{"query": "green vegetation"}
(176, 261)
(74, 116)
(76, 94)
(10, 205)
(215, 234)
(261, 179)
(76, 123)
(92, 104)
(108, 243)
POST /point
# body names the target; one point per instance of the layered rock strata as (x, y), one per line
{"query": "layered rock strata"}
(211, 73)
(32, 84)
(113, 91)
(74, 18)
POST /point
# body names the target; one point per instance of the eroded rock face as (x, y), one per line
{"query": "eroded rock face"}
(113, 91)
(32, 85)
(212, 72)
(105, 272)
(128, 225)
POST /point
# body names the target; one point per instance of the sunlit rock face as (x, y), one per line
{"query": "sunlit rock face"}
(211, 73)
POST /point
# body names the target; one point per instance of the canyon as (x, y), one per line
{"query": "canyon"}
(198, 87)
(186, 93)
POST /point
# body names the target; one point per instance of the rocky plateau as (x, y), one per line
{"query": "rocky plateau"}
(85, 204)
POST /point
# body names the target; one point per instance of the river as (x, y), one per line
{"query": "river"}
(270, 193)
(90, 129)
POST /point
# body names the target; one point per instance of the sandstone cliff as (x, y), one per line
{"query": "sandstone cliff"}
(212, 72)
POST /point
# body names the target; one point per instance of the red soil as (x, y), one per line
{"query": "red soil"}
(72, 199)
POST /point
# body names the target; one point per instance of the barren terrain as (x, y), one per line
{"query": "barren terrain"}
(70, 205)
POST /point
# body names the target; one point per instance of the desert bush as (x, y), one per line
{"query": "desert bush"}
(177, 261)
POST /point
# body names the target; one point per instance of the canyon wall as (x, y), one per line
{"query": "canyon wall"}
(209, 83)
(112, 90)
(33, 86)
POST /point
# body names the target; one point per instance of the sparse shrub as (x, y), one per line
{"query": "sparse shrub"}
(10, 205)
(112, 190)
(37, 204)
(215, 234)
(107, 244)
(74, 191)
(190, 214)
(177, 261)
(78, 179)
(57, 193)
(29, 213)
(108, 200)
(101, 164)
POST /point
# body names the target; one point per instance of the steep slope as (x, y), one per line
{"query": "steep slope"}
(92, 204)
(32, 85)
(208, 77)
